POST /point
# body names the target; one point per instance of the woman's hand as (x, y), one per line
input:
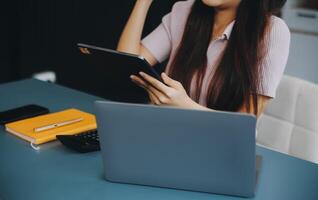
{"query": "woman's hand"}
(173, 93)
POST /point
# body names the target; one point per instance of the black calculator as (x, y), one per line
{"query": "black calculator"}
(84, 142)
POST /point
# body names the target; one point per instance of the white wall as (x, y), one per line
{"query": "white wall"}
(303, 58)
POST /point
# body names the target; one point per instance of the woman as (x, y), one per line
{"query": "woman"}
(226, 55)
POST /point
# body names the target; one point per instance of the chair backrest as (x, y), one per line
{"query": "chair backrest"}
(290, 121)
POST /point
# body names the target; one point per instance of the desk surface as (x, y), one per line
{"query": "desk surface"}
(56, 173)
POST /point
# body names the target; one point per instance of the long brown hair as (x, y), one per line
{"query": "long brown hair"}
(239, 73)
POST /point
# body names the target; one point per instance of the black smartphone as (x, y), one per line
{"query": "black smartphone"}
(23, 112)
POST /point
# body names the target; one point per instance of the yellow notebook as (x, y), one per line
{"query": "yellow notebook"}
(34, 131)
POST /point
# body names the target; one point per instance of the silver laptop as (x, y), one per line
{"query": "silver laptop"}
(202, 151)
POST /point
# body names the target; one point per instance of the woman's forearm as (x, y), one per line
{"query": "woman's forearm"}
(130, 40)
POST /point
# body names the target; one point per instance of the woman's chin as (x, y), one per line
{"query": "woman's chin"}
(213, 3)
(221, 4)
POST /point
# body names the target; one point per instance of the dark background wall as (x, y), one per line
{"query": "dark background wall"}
(5, 72)
(41, 35)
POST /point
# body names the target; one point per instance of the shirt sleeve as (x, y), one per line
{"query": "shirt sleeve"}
(159, 42)
(276, 57)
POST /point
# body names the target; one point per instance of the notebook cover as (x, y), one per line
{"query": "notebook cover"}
(25, 128)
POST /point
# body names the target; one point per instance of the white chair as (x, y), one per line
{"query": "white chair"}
(290, 122)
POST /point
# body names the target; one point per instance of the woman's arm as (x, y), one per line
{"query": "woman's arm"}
(173, 93)
(130, 40)
(262, 103)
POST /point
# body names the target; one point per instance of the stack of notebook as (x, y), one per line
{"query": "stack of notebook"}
(45, 128)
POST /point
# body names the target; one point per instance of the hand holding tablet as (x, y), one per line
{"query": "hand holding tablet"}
(113, 70)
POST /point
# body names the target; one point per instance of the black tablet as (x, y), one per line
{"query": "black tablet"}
(122, 64)
(112, 71)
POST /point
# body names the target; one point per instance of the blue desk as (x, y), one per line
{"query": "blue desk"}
(57, 173)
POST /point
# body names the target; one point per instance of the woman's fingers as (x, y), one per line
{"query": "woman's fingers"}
(158, 95)
(170, 82)
(155, 95)
(153, 98)
(139, 81)
(145, 85)
(155, 83)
